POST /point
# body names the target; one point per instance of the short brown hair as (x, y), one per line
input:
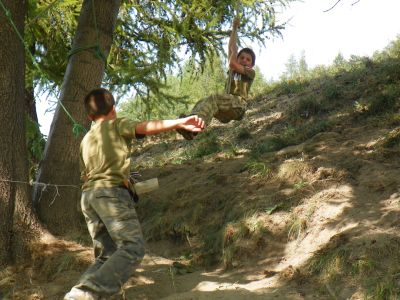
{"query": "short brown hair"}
(99, 102)
(251, 53)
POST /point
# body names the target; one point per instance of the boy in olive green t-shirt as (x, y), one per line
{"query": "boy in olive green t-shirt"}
(230, 105)
(106, 203)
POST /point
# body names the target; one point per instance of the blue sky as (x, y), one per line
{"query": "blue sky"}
(359, 29)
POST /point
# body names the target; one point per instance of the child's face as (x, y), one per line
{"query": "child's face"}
(245, 60)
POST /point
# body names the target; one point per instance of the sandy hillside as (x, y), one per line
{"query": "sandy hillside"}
(299, 201)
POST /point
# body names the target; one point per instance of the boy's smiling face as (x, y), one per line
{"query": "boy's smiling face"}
(245, 59)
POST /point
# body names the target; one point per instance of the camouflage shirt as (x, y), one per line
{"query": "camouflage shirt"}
(239, 84)
(105, 153)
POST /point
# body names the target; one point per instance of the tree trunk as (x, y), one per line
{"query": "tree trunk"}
(30, 103)
(18, 224)
(30, 106)
(58, 207)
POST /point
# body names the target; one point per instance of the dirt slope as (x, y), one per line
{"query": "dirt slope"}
(298, 201)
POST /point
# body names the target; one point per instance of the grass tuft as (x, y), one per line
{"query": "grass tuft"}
(257, 168)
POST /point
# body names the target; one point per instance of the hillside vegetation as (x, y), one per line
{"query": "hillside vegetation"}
(307, 184)
(300, 200)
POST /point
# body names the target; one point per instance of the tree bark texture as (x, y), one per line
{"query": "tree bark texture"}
(59, 207)
(30, 104)
(17, 221)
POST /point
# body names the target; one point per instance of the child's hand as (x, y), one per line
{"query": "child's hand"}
(235, 23)
(192, 123)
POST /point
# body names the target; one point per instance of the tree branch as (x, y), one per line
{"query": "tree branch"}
(333, 6)
(337, 2)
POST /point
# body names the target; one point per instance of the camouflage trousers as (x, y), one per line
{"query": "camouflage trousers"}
(117, 239)
(224, 107)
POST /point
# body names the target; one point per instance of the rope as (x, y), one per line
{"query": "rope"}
(44, 185)
(238, 7)
(77, 128)
(97, 49)
(40, 183)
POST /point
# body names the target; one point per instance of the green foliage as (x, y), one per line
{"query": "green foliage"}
(382, 101)
(50, 28)
(330, 265)
(388, 71)
(179, 92)
(269, 144)
(237, 236)
(257, 168)
(296, 68)
(213, 246)
(320, 72)
(296, 135)
(149, 40)
(331, 92)
(331, 89)
(362, 266)
(391, 139)
(198, 82)
(393, 49)
(272, 209)
(291, 86)
(231, 150)
(151, 37)
(386, 288)
(313, 105)
(290, 136)
(139, 109)
(366, 266)
(390, 94)
(259, 85)
(207, 144)
(302, 65)
(316, 127)
(296, 227)
(339, 62)
(291, 67)
(305, 108)
(301, 185)
(243, 134)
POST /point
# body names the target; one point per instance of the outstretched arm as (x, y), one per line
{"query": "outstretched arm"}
(234, 65)
(232, 45)
(191, 123)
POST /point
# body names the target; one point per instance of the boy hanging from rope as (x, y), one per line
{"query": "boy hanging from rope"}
(106, 202)
(231, 105)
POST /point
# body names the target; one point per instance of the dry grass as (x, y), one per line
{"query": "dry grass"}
(239, 193)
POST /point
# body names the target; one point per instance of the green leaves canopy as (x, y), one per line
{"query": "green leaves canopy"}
(152, 37)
